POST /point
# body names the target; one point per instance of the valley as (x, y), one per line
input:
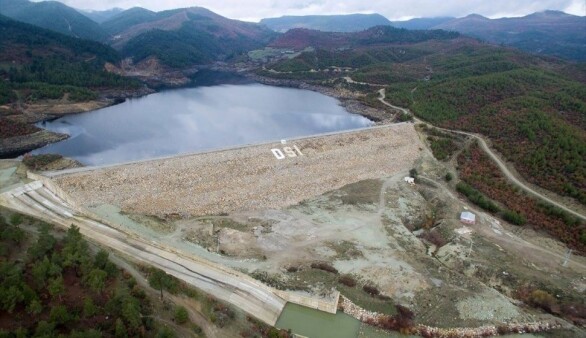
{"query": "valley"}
(405, 241)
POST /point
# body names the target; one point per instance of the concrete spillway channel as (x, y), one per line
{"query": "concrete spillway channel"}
(38, 200)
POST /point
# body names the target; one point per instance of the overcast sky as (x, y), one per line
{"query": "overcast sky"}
(254, 10)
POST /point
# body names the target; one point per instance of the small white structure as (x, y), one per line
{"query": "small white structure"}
(409, 180)
(467, 217)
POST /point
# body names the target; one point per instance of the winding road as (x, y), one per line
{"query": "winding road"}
(41, 200)
(495, 158)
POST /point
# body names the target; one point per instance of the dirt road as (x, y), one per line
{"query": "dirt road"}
(253, 297)
(509, 240)
(195, 315)
(500, 163)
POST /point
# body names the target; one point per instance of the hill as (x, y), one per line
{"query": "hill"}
(533, 109)
(549, 33)
(38, 63)
(101, 16)
(299, 38)
(184, 37)
(421, 23)
(38, 66)
(54, 16)
(126, 19)
(41, 289)
(327, 23)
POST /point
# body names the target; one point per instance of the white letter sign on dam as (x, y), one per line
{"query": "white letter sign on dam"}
(286, 152)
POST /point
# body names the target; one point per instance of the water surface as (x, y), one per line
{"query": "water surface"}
(197, 119)
(317, 324)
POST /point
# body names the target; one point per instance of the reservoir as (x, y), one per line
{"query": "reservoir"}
(197, 119)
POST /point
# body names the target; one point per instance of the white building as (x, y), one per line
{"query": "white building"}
(467, 217)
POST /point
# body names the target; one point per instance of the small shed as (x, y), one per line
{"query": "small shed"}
(467, 217)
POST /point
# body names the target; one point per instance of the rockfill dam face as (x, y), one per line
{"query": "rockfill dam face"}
(266, 176)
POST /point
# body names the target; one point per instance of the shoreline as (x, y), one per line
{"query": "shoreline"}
(18, 145)
(347, 98)
(376, 320)
(50, 110)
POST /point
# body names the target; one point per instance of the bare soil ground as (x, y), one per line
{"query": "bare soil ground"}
(373, 231)
(404, 240)
(57, 107)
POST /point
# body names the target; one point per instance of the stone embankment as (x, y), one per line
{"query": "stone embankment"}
(267, 176)
(366, 316)
(485, 331)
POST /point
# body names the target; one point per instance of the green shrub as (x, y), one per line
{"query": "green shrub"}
(16, 219)
(181, 315)
(347, 280)
(39, 162)
(404, 117)
(324, 266)
(165, 332)
(477, 198)
(371, 290)
(442, 148)
(413, 173)
(514, 217)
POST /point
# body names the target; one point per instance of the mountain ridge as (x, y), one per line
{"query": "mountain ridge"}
(549, 32)
(422, 23)
(329, 23)
(54, 16)
(101, 16)
(300, 38)
(185, 36)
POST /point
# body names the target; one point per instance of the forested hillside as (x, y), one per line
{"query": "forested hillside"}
(481, 173)
(533, 109)
(126, 19)
(183, 37)
(299, 39)
(51, 286)
(54, 16)
(533, 115)
(39, 64)
(548, 33)
(195, 42)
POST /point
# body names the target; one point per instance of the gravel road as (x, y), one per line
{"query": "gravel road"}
(496, 159)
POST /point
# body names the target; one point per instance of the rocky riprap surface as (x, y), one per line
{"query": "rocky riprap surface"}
(247, 178)
(366, 316)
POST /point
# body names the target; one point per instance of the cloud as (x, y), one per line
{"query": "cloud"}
(253, 10)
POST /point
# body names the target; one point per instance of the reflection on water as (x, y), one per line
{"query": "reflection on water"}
(197, 119)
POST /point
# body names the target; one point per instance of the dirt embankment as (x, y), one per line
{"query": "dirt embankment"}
(14, 146)
(152, 72)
